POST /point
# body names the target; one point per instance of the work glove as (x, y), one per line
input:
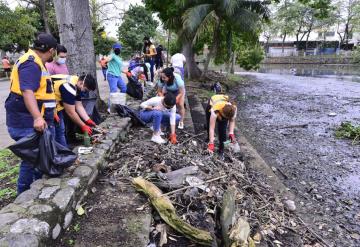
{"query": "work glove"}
(232, 138)
(90, 123)
(172, 138)
(86, 129)
(56, 118)
(211, 148)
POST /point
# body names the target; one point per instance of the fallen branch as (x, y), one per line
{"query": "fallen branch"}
(167, 212)
(313, 232)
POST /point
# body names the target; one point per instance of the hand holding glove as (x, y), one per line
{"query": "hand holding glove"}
(232, 138)
(90, 123)
(211, 148)
(86, 129)
(172, 138)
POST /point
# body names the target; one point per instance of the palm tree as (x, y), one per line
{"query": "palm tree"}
(238, 15)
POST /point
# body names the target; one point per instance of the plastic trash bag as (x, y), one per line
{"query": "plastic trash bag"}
(125, 111)
(41, 150)
(134, 88)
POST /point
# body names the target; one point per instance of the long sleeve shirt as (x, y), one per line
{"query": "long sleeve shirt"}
(157, 101)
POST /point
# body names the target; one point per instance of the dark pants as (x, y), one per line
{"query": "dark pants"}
(221, 126)
(27, 172)
(158, 63)
(60, 129)
(104, 70)
(151, 61)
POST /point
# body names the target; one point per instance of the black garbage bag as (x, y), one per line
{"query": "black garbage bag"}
(125, 111)
(134, 88)
(44, 152)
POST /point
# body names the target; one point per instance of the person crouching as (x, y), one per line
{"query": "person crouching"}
(223, 112)
(161, 111)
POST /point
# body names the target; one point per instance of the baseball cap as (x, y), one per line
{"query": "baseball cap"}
(45, 42)
(117, 46)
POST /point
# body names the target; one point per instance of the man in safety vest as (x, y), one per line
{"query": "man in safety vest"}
(221, 111)
(68, 90)
(31, 103)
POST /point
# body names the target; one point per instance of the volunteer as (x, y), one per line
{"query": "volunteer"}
(172, 82)
(68, 89)
(222, 112)
(30, 105)
(161, 111)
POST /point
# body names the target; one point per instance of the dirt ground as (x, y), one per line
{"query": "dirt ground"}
(290, 121)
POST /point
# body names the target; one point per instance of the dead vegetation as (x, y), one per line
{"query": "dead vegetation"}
(199, 197)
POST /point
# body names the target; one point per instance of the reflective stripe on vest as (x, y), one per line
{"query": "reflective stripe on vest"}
(67, 81)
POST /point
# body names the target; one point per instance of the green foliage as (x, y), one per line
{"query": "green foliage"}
(16, 30)
(323, 7)
(250, 56)
(9, 171)
(356, 55)
(102, 43)
(348, 131)
(7, 193)
(137, 23)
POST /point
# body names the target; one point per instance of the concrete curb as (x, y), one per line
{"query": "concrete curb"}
(40, 214)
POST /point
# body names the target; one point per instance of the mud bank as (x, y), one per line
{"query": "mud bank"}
(291, 120)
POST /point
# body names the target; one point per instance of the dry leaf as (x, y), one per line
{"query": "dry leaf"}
(80, 211)
(163, 234)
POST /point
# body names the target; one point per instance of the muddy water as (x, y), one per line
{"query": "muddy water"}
(291, 121)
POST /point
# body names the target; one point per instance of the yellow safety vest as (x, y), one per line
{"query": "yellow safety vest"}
(218, 101)
(45, 95)
(65, 80)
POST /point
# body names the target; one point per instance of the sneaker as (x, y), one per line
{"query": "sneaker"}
(157, 139)
(181, 125)
(108, 110)
(161, 133)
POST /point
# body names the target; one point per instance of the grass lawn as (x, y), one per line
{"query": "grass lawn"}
(9, 170)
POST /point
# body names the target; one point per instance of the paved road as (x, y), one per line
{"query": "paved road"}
(5, 139)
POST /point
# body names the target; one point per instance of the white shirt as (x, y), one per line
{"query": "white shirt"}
(157, 101)
(178, 60)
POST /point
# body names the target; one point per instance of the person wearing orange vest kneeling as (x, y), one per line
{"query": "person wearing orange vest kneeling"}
(68, 89)
(30, 105)
(223, 112)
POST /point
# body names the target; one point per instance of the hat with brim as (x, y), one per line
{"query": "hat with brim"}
(117, 46)
(45, 41)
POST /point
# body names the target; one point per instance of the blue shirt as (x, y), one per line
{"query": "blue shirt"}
(115, 65)
(67, 97)
(17, 115)
(174, 88)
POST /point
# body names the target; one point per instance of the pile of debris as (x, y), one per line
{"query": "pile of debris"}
(208, 201)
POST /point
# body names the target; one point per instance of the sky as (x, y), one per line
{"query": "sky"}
(111, 11)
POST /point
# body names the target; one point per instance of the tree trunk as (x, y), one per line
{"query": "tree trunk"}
(44, 16)
(191, 69)
(283, 43)
(232, 69)
(213, 49)
(73, 18)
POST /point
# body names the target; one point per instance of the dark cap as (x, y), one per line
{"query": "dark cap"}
(44, 42)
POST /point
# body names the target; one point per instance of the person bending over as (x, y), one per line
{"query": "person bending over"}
(222, 112)
(68, 89)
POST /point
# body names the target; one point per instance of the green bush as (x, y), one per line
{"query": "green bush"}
(348, 131)
(356, 55)
(250, 57)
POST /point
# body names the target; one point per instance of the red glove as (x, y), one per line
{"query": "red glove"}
(172, 138)
(232, 138)
(90, 122)
(86, 129)
(56, 118)
(211, 147)
(128, 74)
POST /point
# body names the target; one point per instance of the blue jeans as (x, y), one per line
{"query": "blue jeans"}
(60, 130)
(154, 117)
(27, 172)
(151, 61)
(115, 82)
(165, 121)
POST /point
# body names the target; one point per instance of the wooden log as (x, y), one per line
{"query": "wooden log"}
(227, 214)
(167, 212)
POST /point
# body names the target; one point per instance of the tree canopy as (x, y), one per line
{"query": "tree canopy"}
(137, 23)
